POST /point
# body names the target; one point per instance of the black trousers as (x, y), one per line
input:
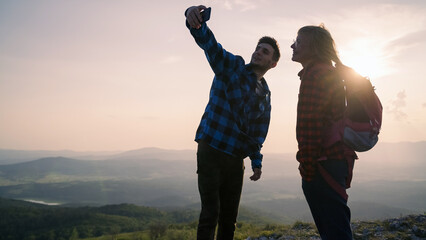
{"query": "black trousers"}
(329, 209)
(220, 181)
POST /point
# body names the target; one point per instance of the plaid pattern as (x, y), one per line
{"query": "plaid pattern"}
(236, 119)
(321, 101)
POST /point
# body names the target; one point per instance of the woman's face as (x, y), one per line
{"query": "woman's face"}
(301, 49)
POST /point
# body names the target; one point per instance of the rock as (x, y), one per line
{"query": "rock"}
(409, 227)
(287, 238)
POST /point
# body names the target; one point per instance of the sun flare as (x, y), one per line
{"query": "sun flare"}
(366, 57)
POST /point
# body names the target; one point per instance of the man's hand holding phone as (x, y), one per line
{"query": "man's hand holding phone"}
(196, 15)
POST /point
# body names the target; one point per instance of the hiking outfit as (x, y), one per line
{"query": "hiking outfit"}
(234, 125)
(326, 171)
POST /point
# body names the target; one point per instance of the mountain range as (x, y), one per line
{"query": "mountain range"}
(388, 180)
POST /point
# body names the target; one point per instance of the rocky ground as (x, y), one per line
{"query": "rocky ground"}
(411, 227)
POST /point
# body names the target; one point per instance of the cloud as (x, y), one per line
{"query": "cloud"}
(410, 39)
(242, 5)
(397, 105)
(172, 59)
(404, 45)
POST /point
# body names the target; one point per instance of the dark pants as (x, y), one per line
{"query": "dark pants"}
(329, 209)
(220, 181)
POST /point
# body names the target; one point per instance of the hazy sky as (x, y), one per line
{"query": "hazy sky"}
(121, 75)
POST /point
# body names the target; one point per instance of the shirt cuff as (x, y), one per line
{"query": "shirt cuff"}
(256, 160)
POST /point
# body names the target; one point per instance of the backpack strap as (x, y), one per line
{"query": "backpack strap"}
(333, 183)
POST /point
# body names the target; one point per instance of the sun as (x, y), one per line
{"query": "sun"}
(366, 57)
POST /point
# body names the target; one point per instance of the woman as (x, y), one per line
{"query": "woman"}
(326, 171)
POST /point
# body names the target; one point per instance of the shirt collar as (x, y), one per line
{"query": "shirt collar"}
(313, 65)
(249, 68)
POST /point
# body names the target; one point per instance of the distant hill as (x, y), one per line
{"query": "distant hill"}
(156, 153)
(159, 193)
(404, 160)
(17, 156)
(9, 156)
(60, 169)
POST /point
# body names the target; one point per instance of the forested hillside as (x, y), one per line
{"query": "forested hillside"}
(23, 220)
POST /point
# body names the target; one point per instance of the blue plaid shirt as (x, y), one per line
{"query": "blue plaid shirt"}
(236, 119)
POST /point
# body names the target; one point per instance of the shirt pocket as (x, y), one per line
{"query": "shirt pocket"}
(257, 106)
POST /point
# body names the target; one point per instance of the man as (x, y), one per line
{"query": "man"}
(234, 125)
(321, 102)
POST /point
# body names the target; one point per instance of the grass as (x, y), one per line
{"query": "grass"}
(408, 227)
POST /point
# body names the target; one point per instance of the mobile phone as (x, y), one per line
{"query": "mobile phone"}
(205, 14)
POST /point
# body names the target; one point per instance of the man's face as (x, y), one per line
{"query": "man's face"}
(262, 57)
(301, 49)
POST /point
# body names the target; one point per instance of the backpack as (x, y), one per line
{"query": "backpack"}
(362, 119)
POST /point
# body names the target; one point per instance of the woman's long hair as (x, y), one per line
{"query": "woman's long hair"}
(322, 44)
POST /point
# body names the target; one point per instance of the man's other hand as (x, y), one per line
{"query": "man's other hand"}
(256, 174)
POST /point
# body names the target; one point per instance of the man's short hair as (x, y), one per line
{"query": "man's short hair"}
(274, 44)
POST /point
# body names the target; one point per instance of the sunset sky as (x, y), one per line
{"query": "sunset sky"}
(120, 75)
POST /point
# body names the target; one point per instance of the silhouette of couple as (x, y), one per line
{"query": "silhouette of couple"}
(236, 121)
